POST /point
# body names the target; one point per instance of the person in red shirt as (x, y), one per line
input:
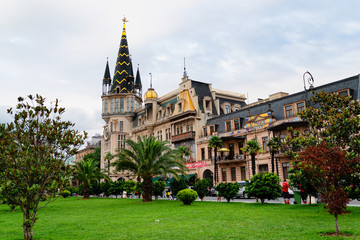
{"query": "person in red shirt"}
(285, 192)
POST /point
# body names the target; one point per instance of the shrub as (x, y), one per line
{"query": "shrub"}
(264, 186)
(187, 196)
(227, 190)
(201, 187)
(158, 188)
(65, 193)
(178, 185)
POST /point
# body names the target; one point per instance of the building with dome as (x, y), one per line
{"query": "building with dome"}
(178, 116)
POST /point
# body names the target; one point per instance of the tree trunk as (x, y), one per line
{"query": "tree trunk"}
(272, 161)
(337, 224)
(86, 192)
(215, 167)
(28, 227)
(147, 189)
(253, 163)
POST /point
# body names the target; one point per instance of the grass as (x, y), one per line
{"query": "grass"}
(74, 218)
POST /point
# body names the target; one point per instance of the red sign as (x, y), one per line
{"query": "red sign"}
(196, 165)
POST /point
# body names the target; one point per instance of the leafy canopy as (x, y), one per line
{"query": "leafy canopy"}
(33, 149)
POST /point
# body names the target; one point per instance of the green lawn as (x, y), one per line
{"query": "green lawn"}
(74, 218)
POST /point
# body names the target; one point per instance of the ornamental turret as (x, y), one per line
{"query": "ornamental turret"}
(106, 80)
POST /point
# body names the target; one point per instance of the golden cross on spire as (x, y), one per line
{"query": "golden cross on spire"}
(124, 21)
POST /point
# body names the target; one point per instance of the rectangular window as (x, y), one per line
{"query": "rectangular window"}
(121, 141)
(263, 168)
(223, 174)
(166, 135)
(127, 104)
(106, 106)
(282, 138)
(344, 93)
(188, 128)
(288, 111)
(236, 124)
(121, 105)
(286, 167)
(265, 142)
(121, 126)
(243, 173)
(300, 106)
(203, 154)
(191, 127)
(112, 106)
(233, 174)
(161, 135)
(205, 132)
(116, 105)
(228, 126)
(227, 109)
(132, 104)
(169, 133)
(111, 127)
(212, 130)
(209, 153)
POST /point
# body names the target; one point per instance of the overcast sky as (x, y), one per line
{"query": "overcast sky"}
(260, 47)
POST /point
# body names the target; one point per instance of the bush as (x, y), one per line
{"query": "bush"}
(264, 186)
(158, 188)
(187, 196)
(201, 187)
(227, 190)
(178, 185)
(65, 193)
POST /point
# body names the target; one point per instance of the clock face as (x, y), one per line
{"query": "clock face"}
(106, 133)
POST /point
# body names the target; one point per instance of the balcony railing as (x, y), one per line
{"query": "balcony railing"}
(183, 136)
(230, 158)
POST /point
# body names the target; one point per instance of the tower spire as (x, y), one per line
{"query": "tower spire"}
(138, 86)
(185, 74)
(123, 81)
(106, 79)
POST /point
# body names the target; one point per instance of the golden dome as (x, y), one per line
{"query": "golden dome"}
(150, 94)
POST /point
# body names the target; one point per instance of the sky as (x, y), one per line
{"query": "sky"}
(59, 48)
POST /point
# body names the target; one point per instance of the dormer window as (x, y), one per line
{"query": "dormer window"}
(227, 109)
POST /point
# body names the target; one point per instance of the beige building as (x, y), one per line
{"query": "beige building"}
(178, 116)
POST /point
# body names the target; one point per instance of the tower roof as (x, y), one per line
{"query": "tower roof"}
(150, 94)
(107, 78)
(123, 76)
(138, 79)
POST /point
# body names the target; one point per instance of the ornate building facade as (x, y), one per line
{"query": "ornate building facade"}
(178, 117)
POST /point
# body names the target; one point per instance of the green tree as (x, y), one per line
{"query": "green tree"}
(301, 179)
(147, 158)
(274, 146)
(158, 188)
(177, 185)
(96, 155)
(184, 152)
(252, 147)
(215, 143)
(87, 171)
(202, 187)
(129, 187)
(33, 149)
(116, 188)
(227, 190)
(334, 122)
(264, 186)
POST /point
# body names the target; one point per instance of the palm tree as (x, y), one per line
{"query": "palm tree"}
(215, 142)
(148, 158)
(252, 147)
(87, 171)
(184, 151)
(274, 145)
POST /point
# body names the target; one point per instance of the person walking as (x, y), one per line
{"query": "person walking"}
(285, 192)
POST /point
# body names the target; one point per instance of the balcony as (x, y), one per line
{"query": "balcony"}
(230, 159)
(183, 137)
